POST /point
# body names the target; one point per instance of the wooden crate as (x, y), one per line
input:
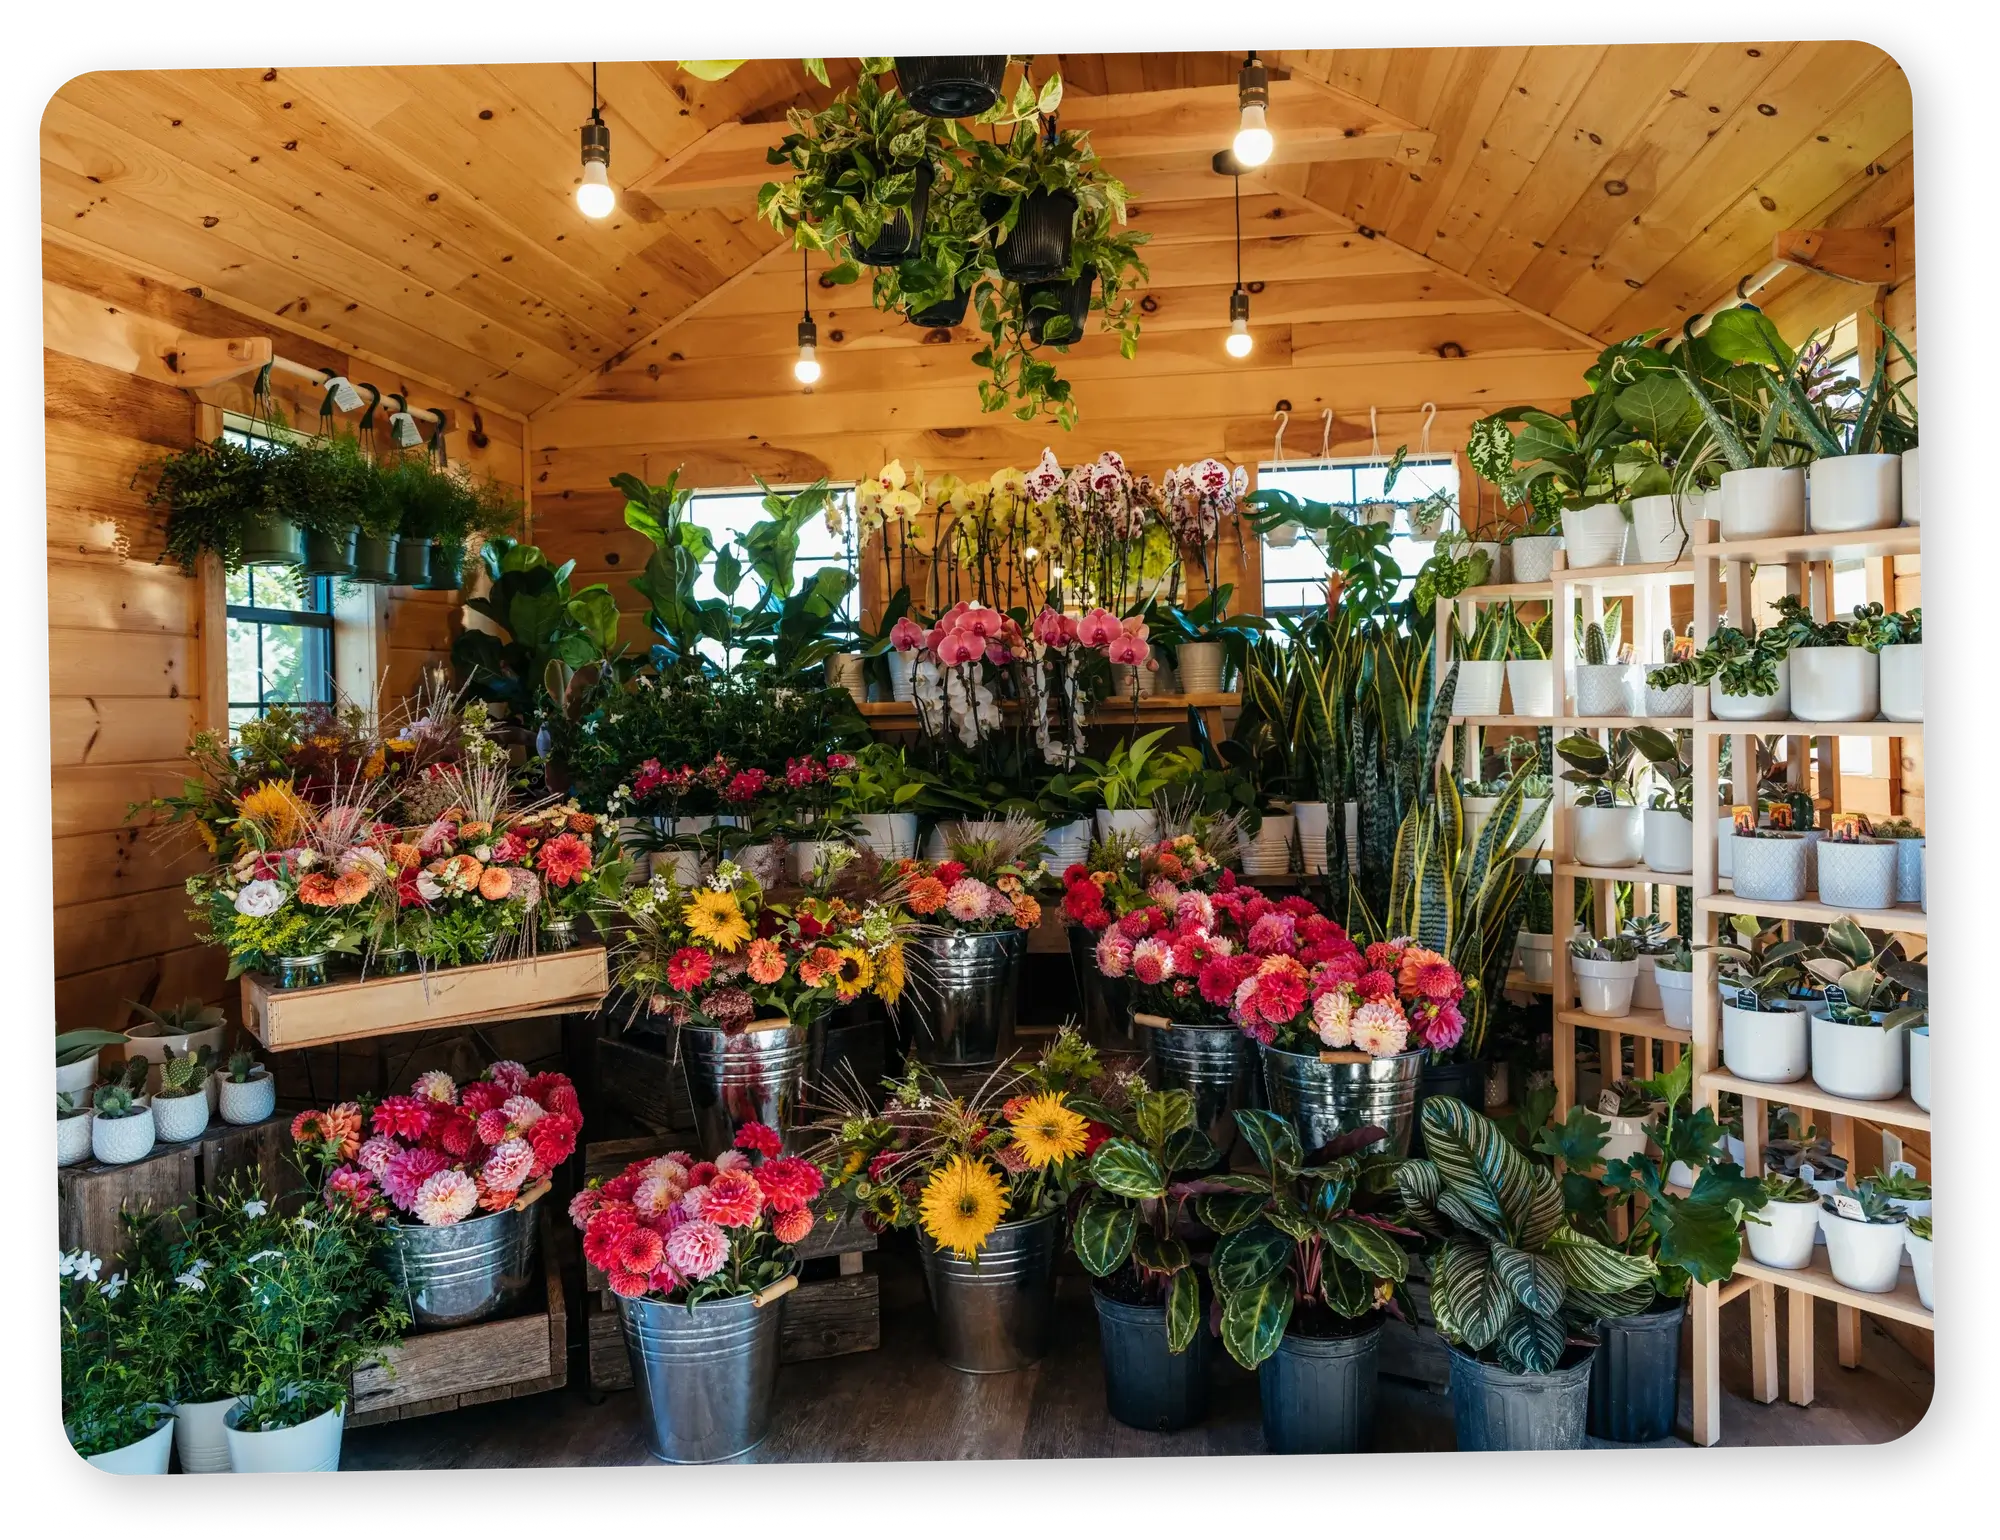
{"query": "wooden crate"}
(440, 1371)
(91, 1196)
(551, 984)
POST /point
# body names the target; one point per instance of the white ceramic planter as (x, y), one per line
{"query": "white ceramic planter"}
(847, 671)
(78, 1078)
(1656, 533)
(903, 675)
(1771, 866)
(803, 855)
(1538, 958)
(892, 836)
(1920, 1067)
(1142, 822)
(1282, 537)
(73, 1136)
(934, 845)
(311, 1446)
(1857, 874)
(1607, 836)
(1531, 683)
(1534, 557)
(1200, 666)
(1725, 845)
(1757, 503)
(1910, 509)
(1920, 1257)
(1610, 689)
(1863, 1256)
(1478, 692)
(1350, 815)
(147, 1457)
(1604, 988)
(1068, 843)
(177, 1119)
(1309, 824)
(1477, 811)
(1785, 1236)
(1855, 492)
(1496, 560)
(1628, 1137)
(120, 1141)
(1676, 990)
(1124, 676)
(1835, 684)
(1902, 693)
(1645, 986)
(1595, 537)
(1269, 853)
(1669, 840)
(1864, 1061)
(148, 1042)
(199, 1438)
(1774, 1047)
(1676, 700)
(1753, 708)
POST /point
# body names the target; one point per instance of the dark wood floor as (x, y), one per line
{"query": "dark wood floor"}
(901, 1403)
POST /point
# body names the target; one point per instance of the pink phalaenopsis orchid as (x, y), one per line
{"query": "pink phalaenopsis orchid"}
(1098, 629)
(906, 635)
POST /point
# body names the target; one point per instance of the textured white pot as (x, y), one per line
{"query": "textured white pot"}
(1538, 958)
(1531, 682)
(763, 862)
(1835, 684)
(1669, 842)
(1864, 1256)
(199, 1438)
(1725, 845)
(177, 1119)
(1595, 537)
(1920, 1067)
(1269, 853)
(1140, 821)
(1604, 988)
(1758, 503)
(1200, 667)
(1910, 509)
(1656, 533)
(1123, 677)
(1068, 843)
(1785, 1236)
(1864, 1061)
(147, 1457)
(1920, 1265)
(120, 1141)
(1496, 560)
(1858, 874)
(1772, 1046)
(1533, 557)
(1478, 692)
(1771, 866)
(1753, 708)
(1309, 823)
(1676, 989)
(1903, 682)
(252, 1100)
(73, 1136)
(1607, 836)
(1676, 700)
(1609, 689)
(903, 675)
(149, 1042)
(310, 1446)
(1855, 492)
(893, 836)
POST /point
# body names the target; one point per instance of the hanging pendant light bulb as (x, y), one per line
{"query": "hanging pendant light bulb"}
(1238, 342)
(595, 195)
(1253, 94)
(806, 370)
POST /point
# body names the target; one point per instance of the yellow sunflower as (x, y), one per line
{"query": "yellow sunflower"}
(854, 974)
(962, 1203)
(889, 973)
(713, 917)
(276, 807)
(1047, 1129)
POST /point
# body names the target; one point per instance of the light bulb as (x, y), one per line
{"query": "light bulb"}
(1031, 554)
(1253, 140)
(594, 194)
(1238, 341)
(806, 370)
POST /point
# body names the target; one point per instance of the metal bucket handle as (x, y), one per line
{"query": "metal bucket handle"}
(1158, 1023)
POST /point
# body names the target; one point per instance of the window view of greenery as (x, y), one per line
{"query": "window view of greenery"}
(1295, 574)
(727, 515)
(280, 640)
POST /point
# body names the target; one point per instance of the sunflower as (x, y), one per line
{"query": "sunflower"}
(714, 918)
(856, 973)
(889, 973)
(1047, 1130)
(962, 1203)
(276, 807)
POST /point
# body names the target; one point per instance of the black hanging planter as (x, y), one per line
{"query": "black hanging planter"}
(952, 88)
(902, 235)
(945, 313)
(1071, 298)
(1037, 249)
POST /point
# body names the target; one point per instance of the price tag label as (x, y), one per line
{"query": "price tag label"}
(1743, 819)
(1849, 828)
(1602, 797)
(1607, 1103)
(1746, 999)
(1781, 815)
(1806, 1172)
(1846, 1207)
(1835, 995)
(1902, 1168)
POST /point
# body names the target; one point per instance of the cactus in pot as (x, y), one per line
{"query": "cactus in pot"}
(249, 1092)
(122, 1130)
(73, 1120)
(180, 1105)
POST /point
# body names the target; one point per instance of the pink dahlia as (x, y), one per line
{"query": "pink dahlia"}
(375, 1154)
(1271, 934)
(697, 1249)
(404, 1117)
(1194, 909)
(1138, 924)
(405, 1175)
(732, 1160)
(1152, 961)
(600, 1235)
(639, 1250)
(493, 1126)
(734, 1200)
(584, 1204)
(966, 902)
(510, 1074)
(790, 1183)
(1164, 893)
(1332, 1016)
(523, 1111)
(1379, 1028)
(445, 1198)
(1376, 985)
(434, 1085)
(508, 1166)
(1439, 981)
(1280, 995)
(481, 1096)
(554, 1140)
(626, 1284)
(1114, 955)
(660, 1190)
(349, 1188)
(760, 1139)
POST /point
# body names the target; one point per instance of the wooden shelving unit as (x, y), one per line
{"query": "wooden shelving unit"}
(1155, 710)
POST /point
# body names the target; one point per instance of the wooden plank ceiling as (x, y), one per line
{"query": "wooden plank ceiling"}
(1485, 202)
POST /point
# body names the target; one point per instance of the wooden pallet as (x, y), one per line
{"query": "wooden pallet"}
(440, 1371)
(91, 1196)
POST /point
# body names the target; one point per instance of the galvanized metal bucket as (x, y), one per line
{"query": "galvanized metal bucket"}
(1217, 1066)
(706, 1375)
(1318, 1393)
(753, 1076)
(995, 1313)
(1107, 1009)
(453, 1275)
(1323, 1101)
(961, 999)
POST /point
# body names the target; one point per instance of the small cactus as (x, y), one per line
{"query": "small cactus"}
(1595, 649)
(241, 1067)
(132, 1078)
(182, 1074)
(115, 1101)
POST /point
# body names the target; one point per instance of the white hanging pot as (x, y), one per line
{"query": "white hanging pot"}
(1532, 684)
(1760, 503)
(1200, 667)
(1669, 842)
(1903, 682)
(1676, 700)
(1496, 560)
(1309, 824)
(1282, 537)
(1595, 536)
(1920, 1263)
(1607, 836)
(1478, 692)
(177, 1119)
(1770, 1046)
(310, 1446)
(1533, 557)
(1771, 866)
(199, 1438)
(893, 836)
(1753, 708)
(1920, 1067)
(1835, 684)
(1910, 510)
(73, 1136)
(1863, 1060)
(1857, 874)
(1849, 492)
(1140, 821)
(120, 1141)
(1676, 991)
(1609, 689)
(1657, 536)
(1863, 1256)
(1604, 988)
(1783, 1234)
(1538, 958)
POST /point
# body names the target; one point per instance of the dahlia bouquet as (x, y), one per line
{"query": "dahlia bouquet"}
(684, 1230)
(444, 1152)
(574, 854)
(1124, 874)
(984, 884)
(1390, 998)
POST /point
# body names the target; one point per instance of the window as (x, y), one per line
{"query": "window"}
(280, 640)
(1295, 575)
(1850, 587)
(729, 515)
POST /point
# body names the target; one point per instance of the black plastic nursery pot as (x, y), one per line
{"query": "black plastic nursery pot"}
(1106, 1003)
(1494, 1410)
(900, 235)
(1145, 1385)
(1071, 299)
(1318, 1392)
(849, 1045)
(952, 87)
(945, 313)
(1037, 249)
(447, 566)
(273, 543)
(375, 559)
(413, 562)
(330, 555)
(1465, 1082)
(1635, 1379)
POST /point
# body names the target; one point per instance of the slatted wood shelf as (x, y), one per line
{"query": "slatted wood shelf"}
(1500, 593)
(1156, 709)
(1526, 723)
(1640, 1023)
(1624, 577)
(1896, 1112)
(1816, 1278)
(1848, 545)
(1641, 874)
(1602, 724)
(1908, 918)
(1787, 727)
(1519, 983)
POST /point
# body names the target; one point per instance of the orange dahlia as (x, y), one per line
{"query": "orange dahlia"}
(495, 883)
(1027, 911)
(405, 854)
(927, 896)
(583, 823)
(319, 890)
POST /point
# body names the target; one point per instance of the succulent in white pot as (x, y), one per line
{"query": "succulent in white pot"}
(1650, 935)
(1835, 671)
(180, 1105)
(1608, 682)
(1865, 1235)
(1855, 870)
(1605, 969)
(1770, 864)
(1760, 501)
(1631, 1109)
(185, 1028)
(1595, 536)
(1904, 1190)
(1766, 1034)
(1673, 981)
(73, 1120)
(1782, 1233)
(122, 1130)
(1917, 1240)
(1749, 678)
(76, 1059)
(1670, 683)
(249, 1093)
(1860, 1025)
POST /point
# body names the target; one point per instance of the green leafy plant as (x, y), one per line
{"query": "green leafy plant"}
(544, 621)
(72, 1047)
(1920, 1227)
(115, 1385)
(1876, 1209)
(1902, 1186)
(1604, 777)
(1768, 968)
(1780, 1188)
(1619, 948)
(1130, 776)
(1856, 974)
(212, 493)
(242, 1067)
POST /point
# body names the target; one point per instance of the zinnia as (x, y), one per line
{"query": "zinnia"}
(764, 961)
(689, 968)
(792, 1226)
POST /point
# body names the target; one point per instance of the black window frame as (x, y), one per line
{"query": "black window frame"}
(318, 617)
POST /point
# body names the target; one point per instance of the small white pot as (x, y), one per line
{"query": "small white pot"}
(1859, 874)
(1628, 1137)
(1538, 958)
(73, 1136)
(1645, 986)
(1531, 682)
(78, 1078)
(1124, 677)
(1676, 991)
(1477, 811)
(1607, 836)
(892, 836)
(1786, 1235)
(1676, 700)
(1771, 866)
(1350, 814)
(1920, 1067)
(1753, 708)
(1669, 843)
(1770, 1046)
(1610, 689)
(1903, 682)
(1920, 1255)
(199, 1438)
(848, 671)
(1864, 1256)
(1759, 503)
(147, 1457)
(1269, 853)
(177, 1119)
(1200, 667)
(1141, 821)
(1068, 843)
(1478, 693)
(902, 675)
(1604, 988)
(1855, 492)
(1533, 557)
(1835, 684)
(311, 1446)
(1656, 532)
(1309, 823)
(1861, 1060)
(120, 1141)
(805, 855)
(1282, 537)
(1496, 560)
(1595, 537)
(1910, 510)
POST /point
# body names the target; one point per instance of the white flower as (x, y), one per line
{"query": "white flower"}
(113, 1286)
(307, 1224)
(86, 1267)
(191, 1280)
(260, 898)
(483, 852)
(256, 1208)
(269, 1251)
(429, 888)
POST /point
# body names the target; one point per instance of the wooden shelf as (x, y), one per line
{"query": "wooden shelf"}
(1904, 540)
(1787, 727)
(1527, 723)
(1498, 593)
(1816, 1278)
(1640, 1023)
(1154, 709)
(1519, 983)
(1638, 572)
(1588, 724)
(1897, 1112)
(1907, 918)
(1624, 874)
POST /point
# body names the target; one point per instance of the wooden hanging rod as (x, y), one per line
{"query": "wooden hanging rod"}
(199, 361)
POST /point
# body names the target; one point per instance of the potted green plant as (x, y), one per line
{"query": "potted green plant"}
(1667, 830)
(1857, 1049)
(1856, 478)
(370, 487)
(1605, 822)
(1902, 659)
(190, 1027)
(76, 1058)
(1835, 669)
(1481, 662)
(249, 1093)
(1744, 381)
(1605, 969)
(214, 497)
(115, 1400)
(1766, 1033)
(1783, 1231)
(1854, 869)
(180, 1105)
(1531, 673)
(1865, 1235)
(876, 791)
(122, 1130)
(73, 1119)
(1608, 682)
(311, 480)
(1770, 864)
(1537, 942)
(1917, 1239)
(1915, 1014)
(953, 87)
(1125, 782)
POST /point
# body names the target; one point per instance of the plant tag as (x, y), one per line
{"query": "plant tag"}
(1746, 999)
(1835, 995)
(1806, 1172)
(1781, 815)
(1902, 1168)
(1743, 820)
(1607, 1103)
(1850, 828)
(1846, 1207)
(1602, 797)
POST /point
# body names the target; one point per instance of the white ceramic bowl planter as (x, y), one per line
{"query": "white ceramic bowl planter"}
(1200, 666)
(1757, 503)
(1863, 1060)
(1538, 958)
(1920, 1067)
(1531, 682)
(177, 1119)
(1676, 990)
(1607, 836)
(1864, 1256)
(1835, 684)
(1857, 874)
(1309, 823)
(1139, 821)
(1676, 700)
(1771, 866)
(1774, 1047)
(309, 1446)
(1919, 1247)
(1534, 557)
(1595, 537)
(1610, 689)
(1902, 692)
(1848, 492)
(1753, 708)
(1910, 509)
(1657, 536)
(1269, 853)
(73, 1136)
(1496, 559)
(1478, 690)
(1604, 988)
(120, 1141)
(78, 1078)
(1669, 840)
(1068, 843)
(1785, 1236)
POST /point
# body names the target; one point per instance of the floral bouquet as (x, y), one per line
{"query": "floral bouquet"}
(444, 1151)
(573, 854)
(683, 1230)
(1124, 874)
(1387, 999)
(1189, 957)
(983, 886)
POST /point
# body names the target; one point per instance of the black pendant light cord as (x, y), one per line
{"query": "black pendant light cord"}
(596, 108)
(805, 281)
(1238, 179)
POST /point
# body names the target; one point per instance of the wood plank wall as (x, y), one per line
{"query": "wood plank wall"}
(126, 629)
